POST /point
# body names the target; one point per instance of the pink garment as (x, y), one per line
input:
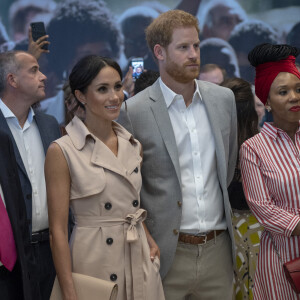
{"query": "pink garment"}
(8, 252)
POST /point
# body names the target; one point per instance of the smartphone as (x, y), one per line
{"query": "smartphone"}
(38, 30)
(137, 64)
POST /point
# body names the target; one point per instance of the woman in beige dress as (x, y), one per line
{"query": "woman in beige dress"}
(95, 170)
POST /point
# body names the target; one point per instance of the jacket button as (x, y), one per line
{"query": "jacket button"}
(135, 203)
(175, 231)
(179, 203)
(28, 196)
(108, 205)
(109, 241)
(136, 169)
(113, 277)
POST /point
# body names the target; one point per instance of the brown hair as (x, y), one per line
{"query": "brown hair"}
(247, 119)
(160, 31)
(246, 114)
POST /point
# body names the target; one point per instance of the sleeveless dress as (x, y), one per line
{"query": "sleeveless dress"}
(108, 240)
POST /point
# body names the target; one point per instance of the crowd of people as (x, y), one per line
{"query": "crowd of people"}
(173, 186)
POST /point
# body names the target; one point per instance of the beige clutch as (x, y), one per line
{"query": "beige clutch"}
(88, 287)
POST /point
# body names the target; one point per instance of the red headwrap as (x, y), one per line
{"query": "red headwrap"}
(267, 72)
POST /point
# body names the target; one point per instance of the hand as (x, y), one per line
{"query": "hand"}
(128, 83)
(35, 47)
(154, 250)
(296, 231)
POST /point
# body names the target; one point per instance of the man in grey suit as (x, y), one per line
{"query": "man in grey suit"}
(188, 132)
(22, 85)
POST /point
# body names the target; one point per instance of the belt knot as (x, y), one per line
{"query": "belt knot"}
(133, 220)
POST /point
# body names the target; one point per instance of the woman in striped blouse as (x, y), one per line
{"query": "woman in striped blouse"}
(270, 167)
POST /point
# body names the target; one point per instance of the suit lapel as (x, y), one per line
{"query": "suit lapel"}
(5, 128)
(212, 112)
(161, 115)
(43, 131)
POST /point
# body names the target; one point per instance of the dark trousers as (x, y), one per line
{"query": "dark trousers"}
(11, 283)
(44, 274)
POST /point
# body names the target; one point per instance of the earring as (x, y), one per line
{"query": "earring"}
(268, 108)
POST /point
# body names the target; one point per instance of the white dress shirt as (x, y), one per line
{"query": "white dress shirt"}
(202, 205)
(31, 149)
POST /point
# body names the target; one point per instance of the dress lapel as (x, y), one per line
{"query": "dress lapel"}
(124, 163)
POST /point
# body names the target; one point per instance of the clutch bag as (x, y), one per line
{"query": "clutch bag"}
(292, 273)
(88, 287)
(291, 269)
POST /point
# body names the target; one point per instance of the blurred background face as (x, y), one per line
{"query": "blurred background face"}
(214, 76)
(135, 44)
(102, 48)
(246, 70)
(223, 22)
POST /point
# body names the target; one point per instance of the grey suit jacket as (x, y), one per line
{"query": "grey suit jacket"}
(49, 131)
(148, 120)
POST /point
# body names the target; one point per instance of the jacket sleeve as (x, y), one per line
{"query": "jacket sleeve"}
(233, 144)
(268, 214)
(124, 118)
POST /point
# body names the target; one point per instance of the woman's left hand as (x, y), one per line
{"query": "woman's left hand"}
(154, 250)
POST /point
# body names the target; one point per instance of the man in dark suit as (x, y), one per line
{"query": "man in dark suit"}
(21, 86)
(15, 284)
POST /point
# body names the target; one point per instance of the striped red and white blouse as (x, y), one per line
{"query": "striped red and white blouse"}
(270, 167)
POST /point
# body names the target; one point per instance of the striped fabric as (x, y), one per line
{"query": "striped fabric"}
(270, 167)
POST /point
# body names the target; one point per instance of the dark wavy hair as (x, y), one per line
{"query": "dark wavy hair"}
(76, 23)
(247, 118)
(85, 71)
(266, 52)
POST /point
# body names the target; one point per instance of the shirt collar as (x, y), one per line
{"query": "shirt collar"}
(7, 113)
(170, 95)
(273, 131)
(78, 132)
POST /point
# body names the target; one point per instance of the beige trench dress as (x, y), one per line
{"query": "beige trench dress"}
(108, 240)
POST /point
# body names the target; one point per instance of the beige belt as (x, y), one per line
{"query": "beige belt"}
(133, 247)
